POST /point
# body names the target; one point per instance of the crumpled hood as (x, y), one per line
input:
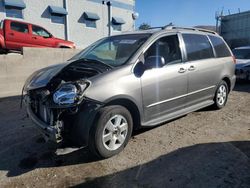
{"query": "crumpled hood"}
(42, 77)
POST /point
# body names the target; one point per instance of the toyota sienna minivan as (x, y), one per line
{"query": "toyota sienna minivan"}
(131, 80)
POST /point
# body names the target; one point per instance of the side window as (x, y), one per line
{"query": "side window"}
(197, 47)
(19, 27)
(167, 47)
(39, 31)
(220, 47)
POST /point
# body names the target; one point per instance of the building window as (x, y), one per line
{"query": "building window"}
(90, 23)
(117, 27)
(117, 23)
(13, 12)
(57, 14)
(14, 8)
(60, 19)
(90, 19)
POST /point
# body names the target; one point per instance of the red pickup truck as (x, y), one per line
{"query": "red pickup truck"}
(16, 34)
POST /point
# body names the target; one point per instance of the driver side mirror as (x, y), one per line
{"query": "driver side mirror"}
(154, 62)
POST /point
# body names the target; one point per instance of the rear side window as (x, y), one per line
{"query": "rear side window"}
(19, 27)
(197, 47)
(220, 47)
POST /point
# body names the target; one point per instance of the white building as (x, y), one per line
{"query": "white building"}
(81, 21)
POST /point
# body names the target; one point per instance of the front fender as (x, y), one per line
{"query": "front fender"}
(84, 120)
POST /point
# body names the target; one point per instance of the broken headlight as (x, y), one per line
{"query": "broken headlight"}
(69, 93)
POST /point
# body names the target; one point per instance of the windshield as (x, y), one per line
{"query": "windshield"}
(115, 50)
(242, 53)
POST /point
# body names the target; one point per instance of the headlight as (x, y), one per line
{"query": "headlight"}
(69, 93)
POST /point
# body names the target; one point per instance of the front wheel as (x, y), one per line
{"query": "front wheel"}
(221, 95)
(111, 132)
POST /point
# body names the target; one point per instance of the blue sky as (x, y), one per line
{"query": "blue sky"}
(185, 12)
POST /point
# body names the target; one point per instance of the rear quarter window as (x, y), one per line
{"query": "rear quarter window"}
(19, 27)
(197, 47)
(220, 47)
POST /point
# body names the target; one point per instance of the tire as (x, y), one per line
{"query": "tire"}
(111, 132)
(221, 95)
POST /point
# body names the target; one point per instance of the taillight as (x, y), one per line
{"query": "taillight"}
(234, 60)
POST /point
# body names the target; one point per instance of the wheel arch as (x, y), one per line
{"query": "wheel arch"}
(227, 80)
(130, 106)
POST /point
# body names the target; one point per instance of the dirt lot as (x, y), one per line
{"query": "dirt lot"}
(203, 149)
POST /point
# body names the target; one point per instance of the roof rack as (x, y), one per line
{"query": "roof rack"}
(191, 28)
(185, 28)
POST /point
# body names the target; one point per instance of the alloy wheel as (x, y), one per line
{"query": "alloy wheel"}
(115, 132)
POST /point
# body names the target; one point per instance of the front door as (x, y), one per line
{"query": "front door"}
(41, 37)
(164, 89)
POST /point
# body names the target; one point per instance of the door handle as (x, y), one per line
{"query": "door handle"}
(12, 34)
(34, 37)
(182, 70)
(191, 68)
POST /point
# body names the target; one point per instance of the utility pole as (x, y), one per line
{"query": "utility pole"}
(109, 4)
(218, 17)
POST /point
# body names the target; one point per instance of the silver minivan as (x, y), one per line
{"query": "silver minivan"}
(128, 81)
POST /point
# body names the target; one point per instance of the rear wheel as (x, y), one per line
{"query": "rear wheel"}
(112, 131)
(221, 95)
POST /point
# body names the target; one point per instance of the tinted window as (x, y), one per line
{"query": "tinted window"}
(39, 31)
(241, 53)
(220, 47)
(13, 12)
(197, 47)
(167, 47)
(20, 27)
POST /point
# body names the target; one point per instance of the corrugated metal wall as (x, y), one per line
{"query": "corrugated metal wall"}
(235, 29)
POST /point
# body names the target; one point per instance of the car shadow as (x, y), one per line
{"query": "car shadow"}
(203, 165)
(23, 150)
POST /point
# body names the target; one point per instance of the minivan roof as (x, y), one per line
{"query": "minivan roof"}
(171, 29)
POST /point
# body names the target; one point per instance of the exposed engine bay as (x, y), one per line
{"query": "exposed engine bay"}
(52, 106)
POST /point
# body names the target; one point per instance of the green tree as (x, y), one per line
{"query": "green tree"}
(144, 26)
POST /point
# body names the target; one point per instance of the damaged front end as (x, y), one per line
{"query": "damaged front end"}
(51, 109)
(55, 105)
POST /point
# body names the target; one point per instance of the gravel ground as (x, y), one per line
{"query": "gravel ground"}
(203, 149)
